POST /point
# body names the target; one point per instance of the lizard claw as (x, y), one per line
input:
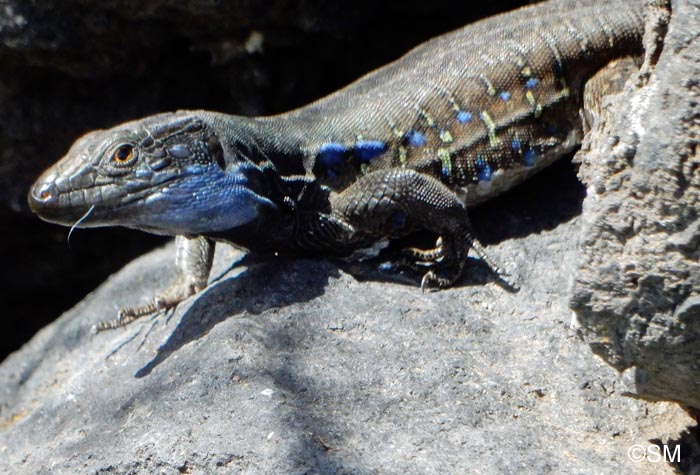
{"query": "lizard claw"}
(444, 261)
(165, 301)
(432, 281)
(429, 281)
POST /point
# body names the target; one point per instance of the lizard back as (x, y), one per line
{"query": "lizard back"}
(480, 108)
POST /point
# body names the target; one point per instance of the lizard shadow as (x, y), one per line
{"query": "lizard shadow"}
(266, 282)
(382, 269)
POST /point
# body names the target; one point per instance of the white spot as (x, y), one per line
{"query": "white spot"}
(574, 324)
(254, 43)
(572, 140)
(368, 252)
(640, 104)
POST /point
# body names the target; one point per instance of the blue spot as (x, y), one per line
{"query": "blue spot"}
(331, 154)
(332, 148)
(532, 83)
(415, 138)
(551, 129)
(505, 96)
(485, 174)
(516, 145)
(483, 169)
(386, 266)
(464, 117)
(529, 157)
(366, 150)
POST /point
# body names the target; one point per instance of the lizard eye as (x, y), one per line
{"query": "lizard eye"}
(123, 155)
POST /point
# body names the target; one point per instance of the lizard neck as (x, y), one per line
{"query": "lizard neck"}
(273, 153)
(265, 142)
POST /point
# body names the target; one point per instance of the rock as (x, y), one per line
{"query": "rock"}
(637, 288)
(296, 366)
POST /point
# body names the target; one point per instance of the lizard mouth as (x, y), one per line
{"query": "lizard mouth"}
(51, 204)
(44, 200)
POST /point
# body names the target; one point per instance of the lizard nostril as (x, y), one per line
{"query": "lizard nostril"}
(43, 194)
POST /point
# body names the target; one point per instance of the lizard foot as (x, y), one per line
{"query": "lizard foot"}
(445, 262)
(193, 258)
(163, 301)
(433, 281)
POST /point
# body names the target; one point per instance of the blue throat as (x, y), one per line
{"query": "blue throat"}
(205, 199)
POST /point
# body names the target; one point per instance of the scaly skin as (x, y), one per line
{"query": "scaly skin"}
(409, 146)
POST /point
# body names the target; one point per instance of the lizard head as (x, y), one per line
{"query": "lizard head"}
(165, 174)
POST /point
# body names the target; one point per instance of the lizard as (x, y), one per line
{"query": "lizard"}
(410, 146)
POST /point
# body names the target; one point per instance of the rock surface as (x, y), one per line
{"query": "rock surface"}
(637, 290)
(295, 367)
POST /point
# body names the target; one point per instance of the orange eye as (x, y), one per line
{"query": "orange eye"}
(123, 154)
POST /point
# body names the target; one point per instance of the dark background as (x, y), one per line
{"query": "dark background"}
(67, 67)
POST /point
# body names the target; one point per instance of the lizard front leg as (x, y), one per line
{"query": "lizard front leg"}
(392, 202)
(193, 257)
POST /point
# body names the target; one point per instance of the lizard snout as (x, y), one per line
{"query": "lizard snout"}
(43, 195)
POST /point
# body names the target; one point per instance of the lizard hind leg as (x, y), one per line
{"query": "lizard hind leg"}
(392, 202)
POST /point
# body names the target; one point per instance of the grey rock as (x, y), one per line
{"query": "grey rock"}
(637, 288)
(297, 367)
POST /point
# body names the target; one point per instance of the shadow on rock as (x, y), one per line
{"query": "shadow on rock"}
(267, 283)
(683, 452)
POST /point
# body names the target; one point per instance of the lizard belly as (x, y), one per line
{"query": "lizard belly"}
(503, 180)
